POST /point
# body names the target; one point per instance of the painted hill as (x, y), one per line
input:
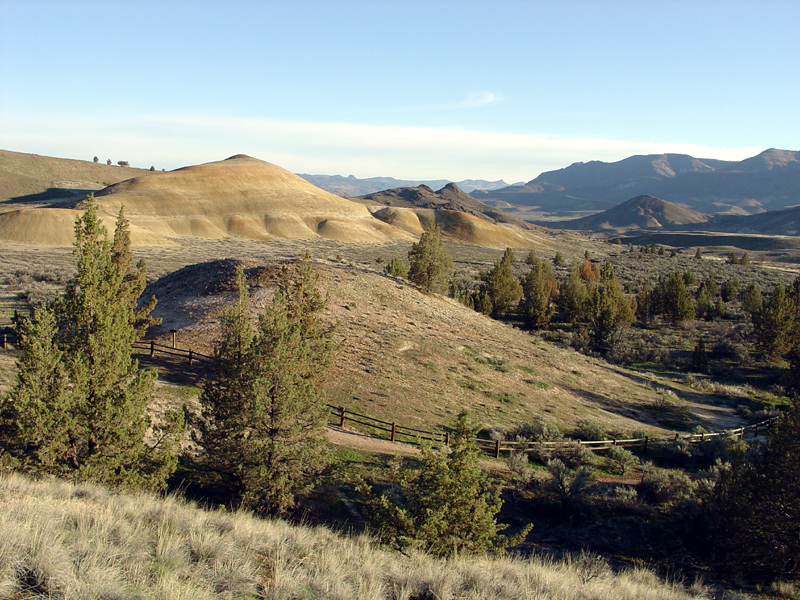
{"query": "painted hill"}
(642, 212)
(243, 197)
(450, 197)
(238, 197)
(351, 187)
(768, 181)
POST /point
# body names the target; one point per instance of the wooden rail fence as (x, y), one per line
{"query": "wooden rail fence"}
(493, 447)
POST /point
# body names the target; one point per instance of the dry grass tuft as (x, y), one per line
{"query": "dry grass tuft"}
(67, 541)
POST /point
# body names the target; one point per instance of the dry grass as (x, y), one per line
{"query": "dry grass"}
(407, 357)
(58, 540)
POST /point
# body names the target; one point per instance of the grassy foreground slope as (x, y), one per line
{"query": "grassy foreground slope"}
(59, 540)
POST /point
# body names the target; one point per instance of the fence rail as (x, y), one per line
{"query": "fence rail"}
(394, 429)
(494, 447)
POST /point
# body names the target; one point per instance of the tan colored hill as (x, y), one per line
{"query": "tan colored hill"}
(457, 225)
(247, 198)
(240, 197)
(450, 197)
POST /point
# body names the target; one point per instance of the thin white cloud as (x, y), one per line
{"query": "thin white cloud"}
(331, 148)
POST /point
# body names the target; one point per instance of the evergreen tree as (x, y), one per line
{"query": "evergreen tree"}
(573, 297)
(78, 409)
(752, 301)
(646, 304)
(539, 287)
(501, 285)
(675, 299)
(397, 268)
(609, 312)
(263, 415)
(431, 265)
(774, 324)
(754, 509)
(446, 508)
(704, 308)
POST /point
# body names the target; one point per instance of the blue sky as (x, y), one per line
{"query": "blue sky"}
(416, 90)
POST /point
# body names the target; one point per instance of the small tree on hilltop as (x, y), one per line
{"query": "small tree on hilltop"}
(78, 409)
(445, 508)
(431, 265)
(263, 415)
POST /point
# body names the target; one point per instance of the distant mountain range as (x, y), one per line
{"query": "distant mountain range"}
(766, 182)
(351, 187)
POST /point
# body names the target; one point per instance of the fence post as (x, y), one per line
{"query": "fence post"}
(393, 430)
(615, 441)
(497, 449)
(190, 357)
(152, 348)
(4, 341)
(341, 417)
(446, 438)
(646, 439)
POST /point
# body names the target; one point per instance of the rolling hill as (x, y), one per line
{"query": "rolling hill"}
(642, 212)
(768, 181)
(450, 197)
(34, 179)
(240, 197)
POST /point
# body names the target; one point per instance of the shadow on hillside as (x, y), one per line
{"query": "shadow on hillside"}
(670, 416)
(54, 197)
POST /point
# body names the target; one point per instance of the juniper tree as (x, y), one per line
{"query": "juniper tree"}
(539, 287)
(446, 507)
(431, 265)
(500, 284)
(609, 311)
(573, 297)
(675, 299)
(753, 512)
(263, 415)
(78, 408)
(774, 323)
(397, 268)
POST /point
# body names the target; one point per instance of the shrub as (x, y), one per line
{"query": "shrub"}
(588, 431)
(397, 268)
(568, 485)
(623, 459)
(660, 487)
